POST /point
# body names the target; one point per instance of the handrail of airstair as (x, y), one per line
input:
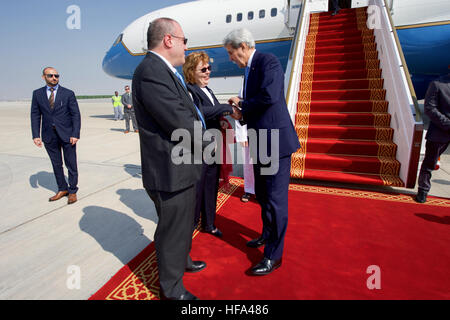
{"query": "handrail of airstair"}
(418, 114)
(295, 62)
(403, 105)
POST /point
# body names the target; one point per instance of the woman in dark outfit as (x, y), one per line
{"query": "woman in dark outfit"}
(197, 71)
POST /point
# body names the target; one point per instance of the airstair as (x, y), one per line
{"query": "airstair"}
(350, 97)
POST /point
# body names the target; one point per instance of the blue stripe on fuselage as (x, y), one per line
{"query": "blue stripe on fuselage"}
(118, 62)
(426, 51)
(425, 48)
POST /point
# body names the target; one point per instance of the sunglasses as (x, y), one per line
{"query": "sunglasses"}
(52, 75)
(184, 39)
(203, 70)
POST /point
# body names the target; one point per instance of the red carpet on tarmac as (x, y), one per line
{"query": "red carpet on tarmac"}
(335, 240)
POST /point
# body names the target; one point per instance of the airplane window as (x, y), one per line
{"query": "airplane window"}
(250, 15)
(262, 14)
(239, 17)
(229, 18)
(273, 12)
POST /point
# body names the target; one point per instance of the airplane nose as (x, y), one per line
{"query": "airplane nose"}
(119, 62)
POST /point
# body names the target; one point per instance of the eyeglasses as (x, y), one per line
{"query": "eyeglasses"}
(52, 75)
(127, 88)
(184, 39)
(203, 70)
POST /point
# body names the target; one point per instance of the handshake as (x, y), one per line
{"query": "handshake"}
(234, 102)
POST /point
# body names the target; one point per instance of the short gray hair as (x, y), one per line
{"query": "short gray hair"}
(238, 36)
(157, 30)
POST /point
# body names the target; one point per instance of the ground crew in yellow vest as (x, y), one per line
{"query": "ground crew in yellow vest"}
(117, 104)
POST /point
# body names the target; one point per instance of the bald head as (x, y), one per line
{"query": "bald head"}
(50, 76)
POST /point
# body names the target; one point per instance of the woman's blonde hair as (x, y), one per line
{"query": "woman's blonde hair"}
(192, 61)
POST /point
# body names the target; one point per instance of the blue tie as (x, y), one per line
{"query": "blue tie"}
(179, 76)
(247, 70)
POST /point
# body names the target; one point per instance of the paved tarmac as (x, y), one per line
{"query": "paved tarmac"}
(46, 247)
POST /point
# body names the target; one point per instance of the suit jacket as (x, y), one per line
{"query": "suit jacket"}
(126, 99)
(212, 112)
(265, 106)
(65, 115)
(162, 105)
(437, 108)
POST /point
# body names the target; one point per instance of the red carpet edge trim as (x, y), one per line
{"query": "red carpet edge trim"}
(140, 280)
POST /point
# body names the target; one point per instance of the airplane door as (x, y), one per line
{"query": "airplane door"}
(293, 10)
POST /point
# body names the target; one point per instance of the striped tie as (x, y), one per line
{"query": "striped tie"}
(51, 99)
(198, 110)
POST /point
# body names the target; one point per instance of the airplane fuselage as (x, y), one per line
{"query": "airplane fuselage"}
(423, 29)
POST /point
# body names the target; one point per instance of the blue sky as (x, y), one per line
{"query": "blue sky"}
(34, 35)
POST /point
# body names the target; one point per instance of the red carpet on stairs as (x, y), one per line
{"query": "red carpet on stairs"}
(342, 119)
(335, 238)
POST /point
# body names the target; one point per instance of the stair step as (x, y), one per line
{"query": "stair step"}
(342, 106)
(346, 132)
(339, 41)
(342, 65)
(345, 48)
(337, 26)
(348, 20)
(348, 177)
(342, 74)
(339, 34)
(349, 94)
(337, 20)
(346, 84)
(351, 147)
(344, 163)
(344, 119)
(344, 56)
(344, 12)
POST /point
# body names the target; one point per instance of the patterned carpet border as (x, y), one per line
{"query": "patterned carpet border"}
(142, 281)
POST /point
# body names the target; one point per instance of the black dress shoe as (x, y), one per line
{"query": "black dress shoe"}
(256, 243)
(421, 197)
(246, 197)
(216, 232)
(184, 296)
(266, 266)
(196, 266)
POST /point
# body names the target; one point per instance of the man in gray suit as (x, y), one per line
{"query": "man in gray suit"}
(128, 111)
(437, 108)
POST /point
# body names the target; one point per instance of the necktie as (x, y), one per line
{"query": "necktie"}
(51, 99)
(247, 70)
(180, 77)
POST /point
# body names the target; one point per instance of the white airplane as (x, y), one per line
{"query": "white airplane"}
(423, 28)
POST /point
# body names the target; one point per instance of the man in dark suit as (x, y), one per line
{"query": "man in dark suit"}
(334, 6)
(264, 109)
(163, 105)
(57, 108)
(437, 108)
